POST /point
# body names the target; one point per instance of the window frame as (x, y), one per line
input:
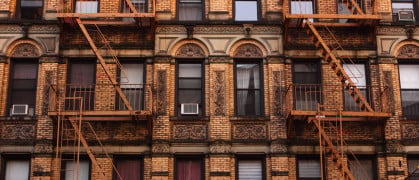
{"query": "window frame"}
(407, 62)
(258, 13)
(19, 11)
(313, 2)
(75, 6)
(261, 158)
(368, 89)
(128, 157)
(124, 7)
(69, 88)
(371, 158)
(12, 81)
(415, 12)
(310, 157)
(259, 62)
(178, 4)
(143, 89)
(189, 157)
(8, 157)
(81, 158)
(318, 75)
(409, 158)
(201, 106)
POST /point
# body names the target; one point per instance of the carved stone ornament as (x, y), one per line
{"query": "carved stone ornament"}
(220, 147)
(277, 93)
(219, 93)
(190, 131)
(161, 148)
(248, 50)
(43, 148)
(190, 50)
(161, 92)
(279, 148)
(410, 131)
(249, 131)
(409, 51)
(18, 131)
(25, 50)
(394, 146)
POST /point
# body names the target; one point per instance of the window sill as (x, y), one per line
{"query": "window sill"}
(249, 118)
(189, 118)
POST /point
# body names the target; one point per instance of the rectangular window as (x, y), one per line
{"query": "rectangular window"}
(248, 88)
(357, 73)
(139, 5)
(246, 10)
(31, 9)
(132, 85)
(128, 168)
(409, 89)
(189, 168)
(16, 168)
(308, 168)
(81, 83)
(403, 10)
(302, 7)
(190, 87)
(24, 74)
(307, 88)
(362, 168)
(250, 169)
(72, 170)
(413, 164)
(190, 10)
(86, 6)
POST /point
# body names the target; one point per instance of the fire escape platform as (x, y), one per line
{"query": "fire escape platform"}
(105, 15)
(105, 115)
(346, 115)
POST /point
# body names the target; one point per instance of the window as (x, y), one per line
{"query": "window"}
(308, 168)
(412, 164)
(403, 10)
(248, 88)
(307, 88)
(86, 6)
(190, 10)
(129, 168)
(139, 5)
(409, 89)
(16, 168)
(189, 168)
(190, 87)
(250, 168)
(23, 83)
(246, 10)
(357, 73)
(302, 7)
(132, 85)
(362, 168)
(30, 9)
(73, 171)
(81, 83)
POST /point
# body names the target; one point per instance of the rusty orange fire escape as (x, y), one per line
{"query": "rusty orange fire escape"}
(71, 123)
(304, 20)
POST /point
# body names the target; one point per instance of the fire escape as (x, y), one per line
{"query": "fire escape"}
(75, 106)
(309, 102)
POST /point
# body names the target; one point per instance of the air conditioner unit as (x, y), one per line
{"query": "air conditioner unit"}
(189, 108)
(406, 15)
(20, 109)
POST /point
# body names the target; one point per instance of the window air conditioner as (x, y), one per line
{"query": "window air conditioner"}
(20, 109)
(406, 15)
(189, 108)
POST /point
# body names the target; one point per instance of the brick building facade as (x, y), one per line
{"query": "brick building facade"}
(208, 89)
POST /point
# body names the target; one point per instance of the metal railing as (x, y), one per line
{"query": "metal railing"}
(306, 97)
(97, 97)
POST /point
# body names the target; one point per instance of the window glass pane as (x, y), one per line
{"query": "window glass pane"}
(246, 11)
(25, 70)
(188, 169)
(412, 166)
(357, 73)
(71, 170)
(82, 73)
(134, 73)
(410, 102)
(306, 73)
(31, 3)
(189, 70)
(309, 168)
(189, 96)
(17, 170)
(362, 169)
(248, 102)
(250, 169)
(128, 169)
(302, 7)
(190, 11)
(400, 6)
(247, 76)
(86, 6)
(24, 84)
(23, 97)
(189, 83)
(407, 71)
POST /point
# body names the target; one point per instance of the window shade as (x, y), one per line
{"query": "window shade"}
(250, 169)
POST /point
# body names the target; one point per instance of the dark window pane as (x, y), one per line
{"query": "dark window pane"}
(350, 104)
(307, 98)
(128, 169)
(189, 96)
(362, 169)
(190, 83)
(134, 96)
(306, 73)
(188, 169)
(82, 73)
(23, 97)
(412, 168)
(190, 10)
(24, 84)
(410, 102)
(248, 102)
(25, 70)
(190, 70)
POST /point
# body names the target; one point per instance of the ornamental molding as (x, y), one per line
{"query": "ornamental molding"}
(190, 50)
(219, 93)
(395, 30)
(248, 50)
(161, 148)
(249, 131)
(409, 51)
(220, 147)
(171, 29)
(410, 131)
(25, 50)
(190, 131)
(17, 132)
(277, 92)
(161, 92)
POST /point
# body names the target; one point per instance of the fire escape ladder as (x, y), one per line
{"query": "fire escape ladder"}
(103, 64)
(336, 66)
(331, 149)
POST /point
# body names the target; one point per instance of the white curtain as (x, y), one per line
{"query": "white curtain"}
(72, 172)
(17, 170)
